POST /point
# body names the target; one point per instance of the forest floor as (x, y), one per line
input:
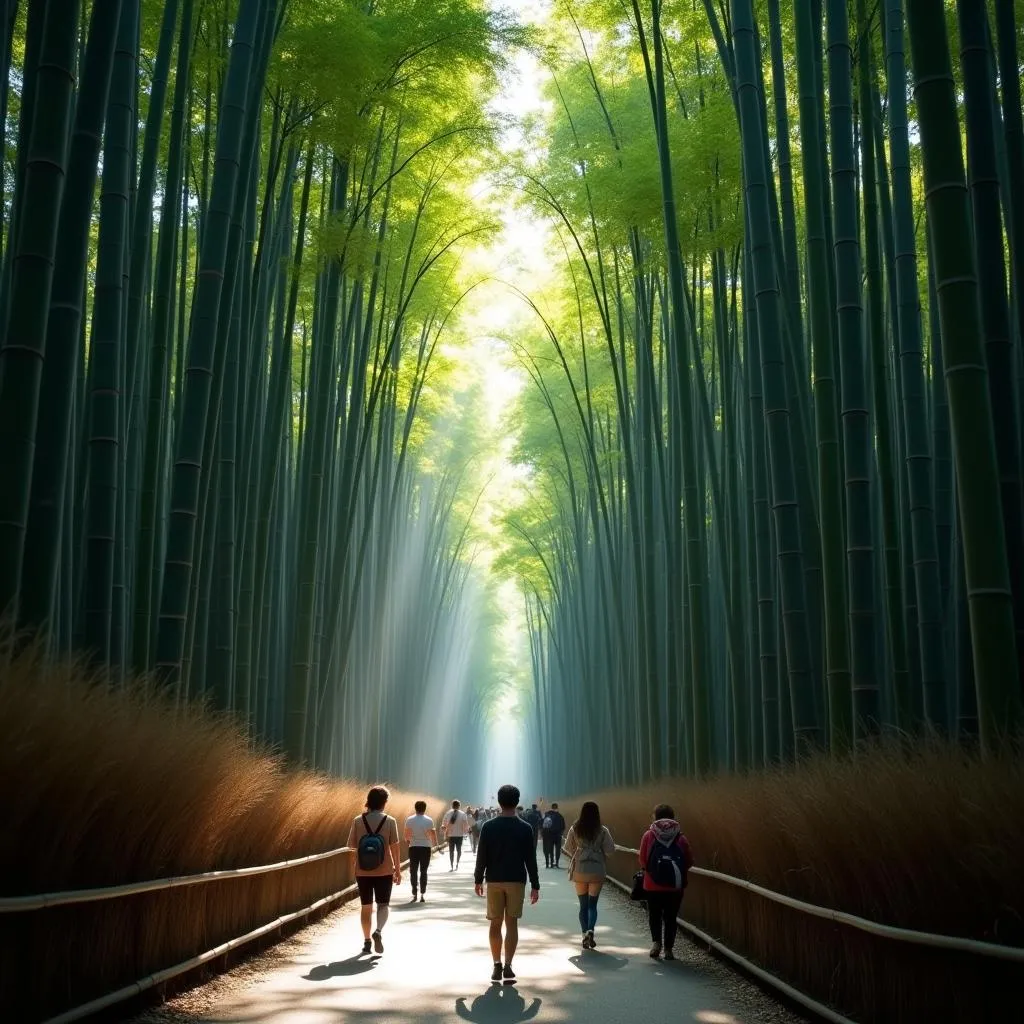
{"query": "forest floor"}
(436, 968)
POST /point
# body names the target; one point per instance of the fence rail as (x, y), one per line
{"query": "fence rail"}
(817, 1008)
(136, 988)
(168, 973)
(14, 904)
(1012, 953)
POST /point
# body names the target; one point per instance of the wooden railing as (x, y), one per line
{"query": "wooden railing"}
(22, 904)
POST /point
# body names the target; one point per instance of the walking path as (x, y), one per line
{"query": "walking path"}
(436, 967)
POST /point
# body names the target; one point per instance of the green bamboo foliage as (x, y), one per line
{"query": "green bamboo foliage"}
(197, 405)
(982, 117)
(866, 529)
(41, 188)
(877, 352)
(50, 470)
(156, 409)
(830, 502)
(984, 544)
(191, 402)
(786, 509)
(238, 452)
(912, 382)
(107, 347)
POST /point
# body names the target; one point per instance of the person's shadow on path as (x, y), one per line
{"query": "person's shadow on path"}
(341, 969)
(500, 1004)
(594, 962)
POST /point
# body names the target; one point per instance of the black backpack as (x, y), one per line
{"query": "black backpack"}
(370, 849)
(666, 864)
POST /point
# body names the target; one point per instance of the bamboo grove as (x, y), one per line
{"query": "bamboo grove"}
(231, 244)
(773, 430)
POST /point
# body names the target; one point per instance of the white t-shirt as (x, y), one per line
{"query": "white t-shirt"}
(419, 825)
(456, 824)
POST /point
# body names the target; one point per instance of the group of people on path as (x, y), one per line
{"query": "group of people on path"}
(505, 843)
(457, 824)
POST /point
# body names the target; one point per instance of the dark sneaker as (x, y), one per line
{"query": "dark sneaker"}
(496, 973)
(413, 900)
(378, 942)
(423, 899)
(590, 939)
(669, 955)
(655, 951)
(508, 975)
(366, 946)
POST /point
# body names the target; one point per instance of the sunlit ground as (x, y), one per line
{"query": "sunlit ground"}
(436, 966)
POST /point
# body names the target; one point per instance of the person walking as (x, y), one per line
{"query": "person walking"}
(552, 828)
(455, 826)
(373, 840)
(533, 818)
(589, 845)
(477, 819)
(505, 856)
(665, 857)
(421, 838)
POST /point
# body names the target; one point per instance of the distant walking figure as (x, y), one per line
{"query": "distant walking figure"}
(456, 827)
(533, 817)
(505, 855)
(476, 822)
(666, 857)
(552, 827)
(373, 839)
(589, 844)
(421, 837)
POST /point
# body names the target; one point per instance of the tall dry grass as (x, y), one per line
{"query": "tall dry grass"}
(102, 786)
(928, 837)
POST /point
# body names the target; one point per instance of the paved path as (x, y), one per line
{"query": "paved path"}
(436, 968)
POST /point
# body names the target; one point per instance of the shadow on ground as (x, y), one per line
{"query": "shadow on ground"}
(597, 962)
(500, 1004)
(342, 968)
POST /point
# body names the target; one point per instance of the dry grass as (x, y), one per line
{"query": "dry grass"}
(929, 838)
(101, 787)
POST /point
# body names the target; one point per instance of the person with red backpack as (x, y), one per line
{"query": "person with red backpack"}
(373, 840)
(665, 857)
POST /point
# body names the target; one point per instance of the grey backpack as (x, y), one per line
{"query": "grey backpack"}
(590, 856)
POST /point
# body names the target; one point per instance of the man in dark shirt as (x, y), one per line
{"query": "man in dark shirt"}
(506, 853)
(533, 818)
(552, 827)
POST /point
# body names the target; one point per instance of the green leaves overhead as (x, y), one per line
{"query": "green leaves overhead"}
(278, 501)
(736, 540)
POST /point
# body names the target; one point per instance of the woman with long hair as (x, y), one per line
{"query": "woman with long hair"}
(589, 845)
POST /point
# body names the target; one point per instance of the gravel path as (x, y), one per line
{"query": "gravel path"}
(436, 966)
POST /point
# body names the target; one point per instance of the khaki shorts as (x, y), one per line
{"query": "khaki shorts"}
(505, 899)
